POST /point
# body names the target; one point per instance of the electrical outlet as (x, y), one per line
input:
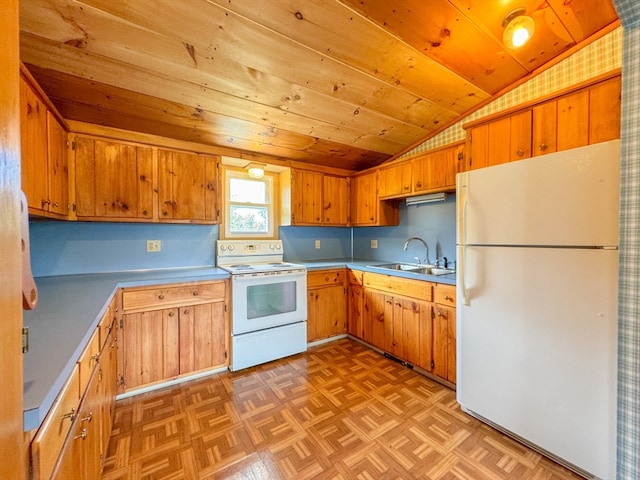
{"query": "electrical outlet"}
(154, 245)
(317, 243)
(374, 243)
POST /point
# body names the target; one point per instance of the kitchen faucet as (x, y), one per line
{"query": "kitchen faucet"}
(411, 239)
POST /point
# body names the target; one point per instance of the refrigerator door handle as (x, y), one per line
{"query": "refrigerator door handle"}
(464, 191)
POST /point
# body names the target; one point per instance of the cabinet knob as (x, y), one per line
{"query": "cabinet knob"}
(447, 297)
(96, 357)
(196, 293)
(186, 311)
(161, 297)
(440, 314)
(543, 147)
(83, 434)
(418, 184)
(56, 204)
(520, 152)
(171, 314)
(88, 418)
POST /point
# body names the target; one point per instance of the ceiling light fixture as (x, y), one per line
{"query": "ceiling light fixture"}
(255, 170)
(518, 28)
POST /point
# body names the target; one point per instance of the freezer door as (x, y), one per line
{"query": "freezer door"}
(564, 198)
(537, 348)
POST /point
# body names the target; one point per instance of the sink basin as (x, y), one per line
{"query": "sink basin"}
(398, 266)
(415, 268)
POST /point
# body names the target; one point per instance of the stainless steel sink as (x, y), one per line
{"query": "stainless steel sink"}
(414, 268)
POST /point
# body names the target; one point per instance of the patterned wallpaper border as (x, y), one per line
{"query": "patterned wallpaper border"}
(599, 57)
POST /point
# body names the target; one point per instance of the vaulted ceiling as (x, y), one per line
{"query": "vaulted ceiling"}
(339, 83)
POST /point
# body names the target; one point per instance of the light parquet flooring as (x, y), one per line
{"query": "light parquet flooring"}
(338, 411)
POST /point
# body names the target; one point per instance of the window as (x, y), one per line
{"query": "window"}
(249, 205)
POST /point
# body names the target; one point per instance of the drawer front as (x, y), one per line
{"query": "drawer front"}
(107, 323)
(157, 298)
(47, 444)
(399, 286)
(354, 277)
(325, 277)
(88, 360)
(445, 294)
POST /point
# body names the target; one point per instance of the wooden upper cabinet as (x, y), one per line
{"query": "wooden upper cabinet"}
(114, 180)
(587, 115)
(335, 203)
(45, 172)
(436, 170)
(306, 197)
(188, 187)
(366, 208)
(395, 180)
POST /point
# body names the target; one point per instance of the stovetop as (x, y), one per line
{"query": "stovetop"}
(247, 256)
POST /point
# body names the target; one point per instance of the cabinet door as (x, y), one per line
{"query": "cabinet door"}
(394, 181)
(393, 327)
(374, 317)
(109, 366)
(520, 135)
(327, 312)
(436, 170)
(202, 337)
(444, 343)
(364, 199)
(113, 180)
(187, 186)
(499, 145)
(335, 203)
(573, 120)
(545, 128)
(150, 343)
(426, 341)
(477, 147)
(604, 111)
(33, 140)
(412, 312)
(356, 311)
(58, 166)
(306, 197)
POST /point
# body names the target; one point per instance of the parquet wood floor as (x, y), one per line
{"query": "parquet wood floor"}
(338, 411)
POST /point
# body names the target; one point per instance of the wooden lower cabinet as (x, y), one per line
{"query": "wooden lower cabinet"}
(401, 317)
(326, 304)
(72, 441)
(355, 304)
(172, 330)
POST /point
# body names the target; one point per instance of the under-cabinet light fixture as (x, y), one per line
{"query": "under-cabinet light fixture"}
(518, 28)
(430, 198)
(255, 170)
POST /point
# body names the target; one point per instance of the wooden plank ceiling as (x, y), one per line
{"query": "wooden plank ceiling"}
(339, 83)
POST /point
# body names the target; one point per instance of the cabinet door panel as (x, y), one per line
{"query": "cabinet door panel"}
(478, 147)
(188, 186)
(435, 170)
(33, 128)
(604, 111)
(520, 141)
(165, 184)
(151, 346)
(115, 180)
(395, 180)
(58, 166)
(306, 193)
(335, 203)
(545, 120)
(412, 311)
(364, 198)
(212, 187)
(85, 171)
(440, 342)
(202, 337)
(499, 147)
(374, 313)
(573, 120)
(356, 307)
(426, 337)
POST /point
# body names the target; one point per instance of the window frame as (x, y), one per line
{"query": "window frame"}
(271, 180)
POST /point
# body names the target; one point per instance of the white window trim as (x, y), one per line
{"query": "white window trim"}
(274, 217)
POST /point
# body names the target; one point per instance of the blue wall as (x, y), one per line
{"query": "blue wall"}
(435, 223)
(64, 248)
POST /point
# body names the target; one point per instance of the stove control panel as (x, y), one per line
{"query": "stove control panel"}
(249, 250)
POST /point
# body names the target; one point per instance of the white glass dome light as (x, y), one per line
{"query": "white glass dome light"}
(518, 28)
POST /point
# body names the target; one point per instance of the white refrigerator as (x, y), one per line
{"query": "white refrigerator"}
(537, 302)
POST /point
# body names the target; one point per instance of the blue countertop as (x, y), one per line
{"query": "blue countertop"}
(70, 307)
(68, 311)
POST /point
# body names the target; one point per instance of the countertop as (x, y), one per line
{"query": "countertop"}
(70, 307)
(68, 311)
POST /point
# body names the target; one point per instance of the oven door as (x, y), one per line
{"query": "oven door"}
(266, 300)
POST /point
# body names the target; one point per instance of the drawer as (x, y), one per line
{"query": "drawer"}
(445, 294)
(354, 277)
(157, 298)
(106, 324)
(88, 360)
(399, 286)
(325, 277)
(47, 444)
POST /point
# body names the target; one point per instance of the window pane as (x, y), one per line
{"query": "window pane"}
(249, 219)
(250, 191)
